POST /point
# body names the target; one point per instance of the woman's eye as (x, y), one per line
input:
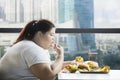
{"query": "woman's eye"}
(52, 34)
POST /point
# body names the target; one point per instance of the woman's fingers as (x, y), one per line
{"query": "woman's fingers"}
(59, 49)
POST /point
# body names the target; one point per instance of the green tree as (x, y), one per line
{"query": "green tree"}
(113, 60)
(2, 51)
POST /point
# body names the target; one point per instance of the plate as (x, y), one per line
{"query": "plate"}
(94, 72)
(102, 69)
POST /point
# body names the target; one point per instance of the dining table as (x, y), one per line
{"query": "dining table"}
(111, 75)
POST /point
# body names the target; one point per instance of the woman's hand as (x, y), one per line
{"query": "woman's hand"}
(59, 49)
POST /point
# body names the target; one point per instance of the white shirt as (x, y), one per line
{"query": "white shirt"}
(17, 60)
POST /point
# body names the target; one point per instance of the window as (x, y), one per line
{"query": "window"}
(64, 13)
(88, 28)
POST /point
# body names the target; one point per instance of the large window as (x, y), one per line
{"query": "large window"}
(64, 13)
(76, 22)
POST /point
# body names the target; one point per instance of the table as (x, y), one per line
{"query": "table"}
(112, 75)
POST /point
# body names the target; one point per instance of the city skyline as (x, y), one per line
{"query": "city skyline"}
(104, 15)
(102, 47)
(64, 13)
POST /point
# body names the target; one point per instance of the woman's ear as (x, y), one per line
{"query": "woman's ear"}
(40, 33)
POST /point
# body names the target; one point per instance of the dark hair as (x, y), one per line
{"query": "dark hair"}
(33, 27)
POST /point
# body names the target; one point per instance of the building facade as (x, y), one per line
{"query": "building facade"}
(84, 18)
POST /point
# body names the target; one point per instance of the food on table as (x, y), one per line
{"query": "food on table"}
(103, 69)
(84, 66)
(73, 67)
(70, 68)
(79, 59)
(106, 68)
(92, 64)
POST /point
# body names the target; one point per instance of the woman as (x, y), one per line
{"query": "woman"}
(28, 58)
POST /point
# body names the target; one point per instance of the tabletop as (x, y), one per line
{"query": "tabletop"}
(112, 75)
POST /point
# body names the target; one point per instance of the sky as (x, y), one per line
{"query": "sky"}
(107, 13)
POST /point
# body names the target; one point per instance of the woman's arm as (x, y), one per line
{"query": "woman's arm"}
(46, 71)
(57, 65)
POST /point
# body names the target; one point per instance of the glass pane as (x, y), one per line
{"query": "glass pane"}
(106, 13)
(64, 13)
(6, 40)
(101, 47)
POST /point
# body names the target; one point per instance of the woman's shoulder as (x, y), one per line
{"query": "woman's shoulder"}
(24, 44)
(27, 43)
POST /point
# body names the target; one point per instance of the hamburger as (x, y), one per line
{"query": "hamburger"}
(83, 66)
(92, 64)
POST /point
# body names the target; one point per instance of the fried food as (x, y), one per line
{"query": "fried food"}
(83, 67)
(103, 69)
(92, 64)
(79, 59)
(71, 68)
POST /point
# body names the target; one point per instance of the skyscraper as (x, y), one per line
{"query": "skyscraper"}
(13, 11)
(84, 15)
(82, 12)
(65, 10)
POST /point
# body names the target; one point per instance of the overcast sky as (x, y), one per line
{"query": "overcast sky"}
(107, 12)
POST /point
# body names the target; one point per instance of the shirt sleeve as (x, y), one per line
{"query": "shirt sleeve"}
(36, 55)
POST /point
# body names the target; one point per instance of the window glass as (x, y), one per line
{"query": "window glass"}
(6, 40)
(106, 13)
(101, 47)
(64, 13)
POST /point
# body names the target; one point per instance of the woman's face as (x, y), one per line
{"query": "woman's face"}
(47, 39)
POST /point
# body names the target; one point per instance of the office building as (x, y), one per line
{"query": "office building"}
(84, 18)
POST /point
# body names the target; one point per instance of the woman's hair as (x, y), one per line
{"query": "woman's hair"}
(29, 31)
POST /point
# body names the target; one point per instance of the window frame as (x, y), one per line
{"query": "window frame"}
(69, 30)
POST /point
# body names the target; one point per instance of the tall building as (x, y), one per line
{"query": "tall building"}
(82, 12)
(65, 19)
(49, 10)
(84, 18)
(26, 10)
(10, 10)
(65, 9)
(2, 14)
(13, 11)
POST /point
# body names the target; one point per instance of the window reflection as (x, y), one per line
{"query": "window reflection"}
(64, 13)
(106, 51)
(104, 48)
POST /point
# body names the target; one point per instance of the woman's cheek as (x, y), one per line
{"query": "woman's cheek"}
(52, 45)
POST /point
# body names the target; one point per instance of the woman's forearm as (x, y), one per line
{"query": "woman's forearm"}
(58, 64)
